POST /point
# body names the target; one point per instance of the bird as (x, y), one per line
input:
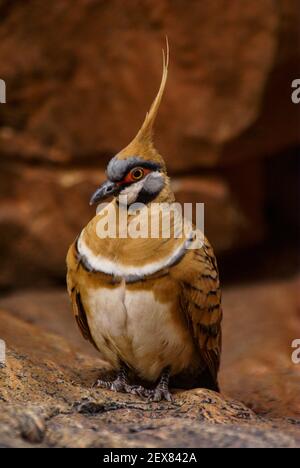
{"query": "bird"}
(150, 306)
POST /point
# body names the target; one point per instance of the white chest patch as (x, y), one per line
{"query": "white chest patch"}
(134, 327)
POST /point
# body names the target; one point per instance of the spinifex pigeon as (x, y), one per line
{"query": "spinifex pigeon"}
(150, 305)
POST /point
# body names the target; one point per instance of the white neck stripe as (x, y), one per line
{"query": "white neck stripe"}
(100, 264)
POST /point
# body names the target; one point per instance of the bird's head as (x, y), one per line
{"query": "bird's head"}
(138, 171)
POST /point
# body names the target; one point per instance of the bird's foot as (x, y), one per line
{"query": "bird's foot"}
(115, 385)
(159, 394)
(120, 384)
(138, 390)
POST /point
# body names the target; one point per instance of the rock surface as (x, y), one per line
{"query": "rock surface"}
(65, 78)
(88, 61)
(42, 210)
(47, 399)
(260, 323)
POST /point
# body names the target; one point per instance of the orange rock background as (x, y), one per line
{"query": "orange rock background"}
(80, 77)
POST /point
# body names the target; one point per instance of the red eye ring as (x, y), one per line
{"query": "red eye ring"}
(136, 174)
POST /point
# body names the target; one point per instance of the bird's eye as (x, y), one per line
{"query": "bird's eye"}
(137, 173)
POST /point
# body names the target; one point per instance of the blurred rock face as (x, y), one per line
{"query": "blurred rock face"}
(79, 82)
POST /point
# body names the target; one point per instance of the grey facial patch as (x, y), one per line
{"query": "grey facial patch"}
(118, 168)
(154, 183)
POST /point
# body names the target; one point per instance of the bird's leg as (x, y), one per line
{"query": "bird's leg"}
(161, 392)
(120, 384)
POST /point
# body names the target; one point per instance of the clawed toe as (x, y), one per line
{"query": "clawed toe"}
(137, 390)
(115, 385)
(159, 394)
(102, 384)
(119, 386)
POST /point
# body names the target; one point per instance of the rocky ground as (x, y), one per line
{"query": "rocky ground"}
(47, 399)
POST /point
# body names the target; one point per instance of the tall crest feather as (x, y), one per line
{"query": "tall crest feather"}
(142, 144)
(146, 130)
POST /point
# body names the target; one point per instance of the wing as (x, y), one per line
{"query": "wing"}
(73, 276)
(201, 301)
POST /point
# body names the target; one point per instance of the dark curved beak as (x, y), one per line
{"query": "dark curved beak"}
(107, 189)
